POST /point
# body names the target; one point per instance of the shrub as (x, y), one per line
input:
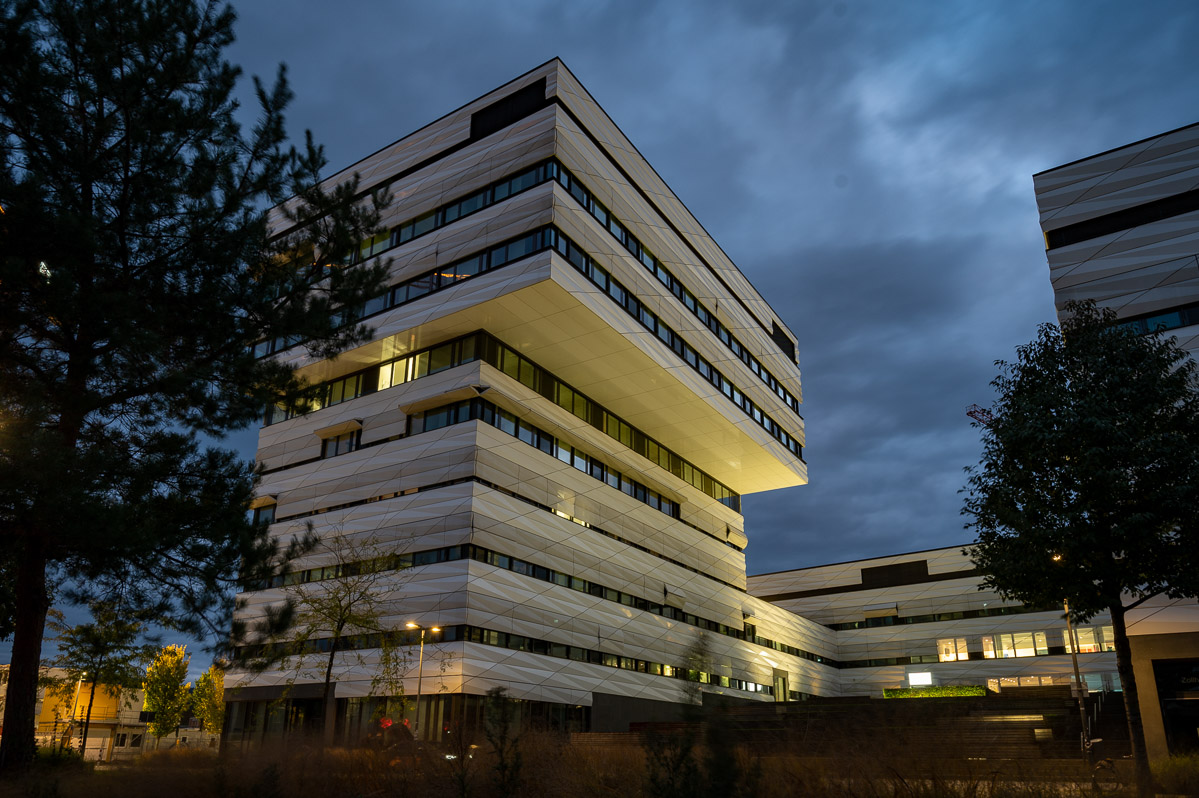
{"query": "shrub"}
(935, 691)
(1178, 775)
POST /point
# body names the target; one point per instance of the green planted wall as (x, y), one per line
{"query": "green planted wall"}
(935, 691)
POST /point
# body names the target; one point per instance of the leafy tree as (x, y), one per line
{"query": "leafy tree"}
(1089, 478)
(208, 699)
(168, 695)
(137, 269)
(104, 654)
(354, 594)
(501, 727)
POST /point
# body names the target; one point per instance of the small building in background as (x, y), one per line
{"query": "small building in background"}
(922, 619)
(118, 728)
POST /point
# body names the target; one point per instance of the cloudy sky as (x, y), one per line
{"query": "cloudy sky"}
(868, 165)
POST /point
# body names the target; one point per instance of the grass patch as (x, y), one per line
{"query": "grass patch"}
(936, 691)
(1178, 775)
(552, 767)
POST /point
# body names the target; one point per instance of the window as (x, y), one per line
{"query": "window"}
(135, 741)
(265, 514)
(122, 740)
(340, 444)
(1087, 640)
(951, 649)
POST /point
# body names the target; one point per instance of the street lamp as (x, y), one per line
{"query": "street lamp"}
(74, 704)
(1079, 690)
(420, 673)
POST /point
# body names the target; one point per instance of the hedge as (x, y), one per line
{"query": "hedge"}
(935, 691)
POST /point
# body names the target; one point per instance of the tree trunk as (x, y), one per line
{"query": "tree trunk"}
(20, 707)
(328, 702)
(87, 719)
(1132, 703)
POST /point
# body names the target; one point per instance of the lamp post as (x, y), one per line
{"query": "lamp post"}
(1079, 695)
(74, 703)
(420, 673)
(1078, 688)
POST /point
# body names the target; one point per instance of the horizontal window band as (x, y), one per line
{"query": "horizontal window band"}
(470, 551)
(527, 245)
(513, 494)
(550, 170)
(513, 642)
(928, 659)
(1163, 320)
(1125, 219)
(586, 199)
(494, 416)
(939, 617)
(489, 349)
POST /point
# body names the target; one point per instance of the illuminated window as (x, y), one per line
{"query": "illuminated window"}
(952, 649)
(989, 649)
(1109, 638)
(1088, 642)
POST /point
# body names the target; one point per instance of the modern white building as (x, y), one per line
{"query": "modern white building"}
(569, 389)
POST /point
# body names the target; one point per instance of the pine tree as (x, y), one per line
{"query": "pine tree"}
(136, 273)
(103, 654)
(1089, 479)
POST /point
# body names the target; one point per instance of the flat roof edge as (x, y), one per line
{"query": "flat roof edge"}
(863, 559)
(1116, 149)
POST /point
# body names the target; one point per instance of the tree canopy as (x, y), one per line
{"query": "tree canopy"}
(137, 271)
(104, 653)
(208, 699)
(167, 693)
(1089, 478)
(358, 595)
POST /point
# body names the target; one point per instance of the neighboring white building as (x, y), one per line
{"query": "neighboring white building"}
(921, 618)
(569, 388)
(1122, 228)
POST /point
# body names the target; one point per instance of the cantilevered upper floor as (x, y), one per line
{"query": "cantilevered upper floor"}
(528, 216)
